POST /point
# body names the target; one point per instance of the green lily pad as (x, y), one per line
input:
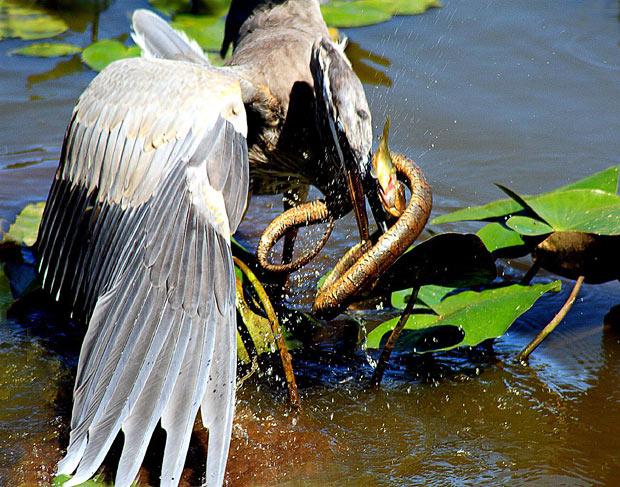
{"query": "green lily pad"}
(524, 225)
(502, 241)
(207, 31)
(578, 210)
(606, 180)
(428, 296)
(464, 319)
(47, 49)
(355, 13)
(101, 53)
(449, 259)
(170, 7)
(28, 22)
(26, 227)
(404, 7)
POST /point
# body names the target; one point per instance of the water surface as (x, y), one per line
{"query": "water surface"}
(524, 93)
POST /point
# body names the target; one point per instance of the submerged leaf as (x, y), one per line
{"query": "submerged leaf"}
(101, 53)
(47, 49)
(463, 319)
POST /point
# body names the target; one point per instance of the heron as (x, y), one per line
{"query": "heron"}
(156, 165)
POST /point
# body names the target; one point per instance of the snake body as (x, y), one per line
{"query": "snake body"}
(359, 268)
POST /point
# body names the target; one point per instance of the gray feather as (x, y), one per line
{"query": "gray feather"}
(157, 39)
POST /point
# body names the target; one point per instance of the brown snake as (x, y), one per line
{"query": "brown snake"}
(359, 268)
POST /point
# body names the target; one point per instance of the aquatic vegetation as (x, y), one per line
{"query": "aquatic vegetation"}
(47, 49)
(573, 231)
(28, 22)
(101, 53)
(204, 22)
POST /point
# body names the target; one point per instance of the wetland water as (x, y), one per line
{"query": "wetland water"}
(525, 93)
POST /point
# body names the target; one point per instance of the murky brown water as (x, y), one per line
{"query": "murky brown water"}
(526, 93)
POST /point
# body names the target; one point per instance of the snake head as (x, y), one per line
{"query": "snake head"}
(391, 191)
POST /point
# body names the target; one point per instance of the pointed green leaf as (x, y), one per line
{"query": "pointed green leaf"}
(579, 210)
(101, 53)
(606, 180)
(47, 49)
(465, 319)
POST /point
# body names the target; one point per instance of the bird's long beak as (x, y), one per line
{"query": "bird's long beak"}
(358, 201)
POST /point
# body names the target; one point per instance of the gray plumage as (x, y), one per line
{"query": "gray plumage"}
(152, 180)
(138, 224)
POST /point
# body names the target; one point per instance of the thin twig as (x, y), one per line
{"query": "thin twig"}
(525, 353)
(285, 356)
(377, 376)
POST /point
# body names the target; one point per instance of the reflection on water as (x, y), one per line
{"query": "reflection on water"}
(368, 73)
(518, 92)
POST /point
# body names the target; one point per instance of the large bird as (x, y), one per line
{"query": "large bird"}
(152, 181)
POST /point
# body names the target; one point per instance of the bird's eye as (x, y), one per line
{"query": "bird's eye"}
(363, 114)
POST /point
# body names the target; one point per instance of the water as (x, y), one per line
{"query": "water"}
(524, 93)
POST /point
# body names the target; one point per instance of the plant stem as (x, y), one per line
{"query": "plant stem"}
(377, 376)
(525, 353)
(285, 356)
(529, 275)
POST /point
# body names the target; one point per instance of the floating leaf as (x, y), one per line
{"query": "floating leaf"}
(28, 22)
(502, 241)
(101, 53)
(449, 259)
(578, 210)
(207, 31)
(404, 7)
(411, 7)
(606, 180)
(524, 225)
(464, 319)
(170, 7)
(355, 13)
(47, 49)
(26, 227)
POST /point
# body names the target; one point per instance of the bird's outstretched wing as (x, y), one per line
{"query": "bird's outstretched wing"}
(153, 178)
(157, 39)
